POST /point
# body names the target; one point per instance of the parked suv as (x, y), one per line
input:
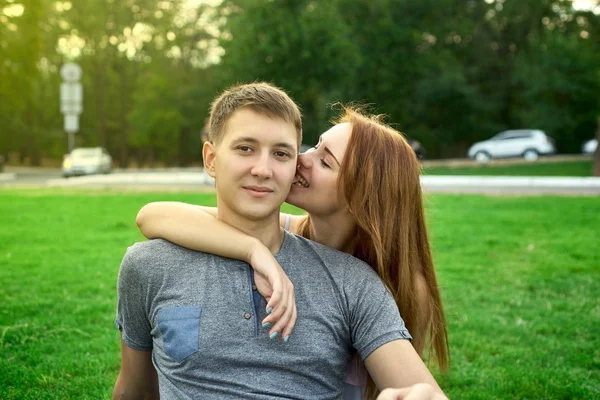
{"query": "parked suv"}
(526, 143)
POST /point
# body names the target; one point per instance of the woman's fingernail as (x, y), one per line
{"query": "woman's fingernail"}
(269, 310)
(272, 336)
(266, 324)
(286, 338)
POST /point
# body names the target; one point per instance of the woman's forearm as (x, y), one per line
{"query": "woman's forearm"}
(195, 228)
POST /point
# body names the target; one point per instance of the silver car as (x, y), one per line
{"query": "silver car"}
(87, 161)
(526, 143)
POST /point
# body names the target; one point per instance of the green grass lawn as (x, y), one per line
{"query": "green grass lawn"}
(520, 278)
(569, 168)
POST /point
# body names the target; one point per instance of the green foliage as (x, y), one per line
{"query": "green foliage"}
(305, 47)
(156, 119)
(563, 88)
(446, 72)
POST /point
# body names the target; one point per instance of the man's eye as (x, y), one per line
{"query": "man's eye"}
(244, 149)
(281, 154)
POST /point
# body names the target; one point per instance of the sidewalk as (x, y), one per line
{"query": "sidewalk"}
(430, 183)
(144, 178)
(7, 176)
(506, 185)
(510, 181)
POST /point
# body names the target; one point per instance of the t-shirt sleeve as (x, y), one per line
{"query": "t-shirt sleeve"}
(373, 315)
(132, 318)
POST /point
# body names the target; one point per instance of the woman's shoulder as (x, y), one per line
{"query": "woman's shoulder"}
(291, 223)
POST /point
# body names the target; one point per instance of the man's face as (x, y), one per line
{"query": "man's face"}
(254, 165)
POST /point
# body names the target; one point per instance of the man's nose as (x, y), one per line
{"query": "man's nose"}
(262, 167)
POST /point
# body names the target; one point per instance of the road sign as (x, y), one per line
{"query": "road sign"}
(71, 99)
(71, 123)
(70, 72)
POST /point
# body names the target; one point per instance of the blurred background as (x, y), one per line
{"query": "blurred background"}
(466, 80)
(448, 73)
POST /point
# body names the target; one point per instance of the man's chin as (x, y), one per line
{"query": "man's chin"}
(258, 212)
(260, 216)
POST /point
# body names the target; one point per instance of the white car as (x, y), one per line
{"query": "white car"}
(526, 143)
(87, 161)
(589, 147)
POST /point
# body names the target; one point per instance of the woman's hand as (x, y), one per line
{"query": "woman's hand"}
(420, 391)
(275, 286)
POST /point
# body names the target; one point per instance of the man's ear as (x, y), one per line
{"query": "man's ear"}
(209, 155)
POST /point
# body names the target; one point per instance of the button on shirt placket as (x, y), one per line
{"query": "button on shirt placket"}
(253, 307)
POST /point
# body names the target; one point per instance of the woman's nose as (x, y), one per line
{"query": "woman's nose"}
(305, 160)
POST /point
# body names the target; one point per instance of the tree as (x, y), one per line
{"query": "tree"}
(446, 72)
(596, 163)
(301, 46)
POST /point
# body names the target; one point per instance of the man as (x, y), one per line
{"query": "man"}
(191, 322)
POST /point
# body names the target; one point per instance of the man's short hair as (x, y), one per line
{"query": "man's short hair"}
(262, 98)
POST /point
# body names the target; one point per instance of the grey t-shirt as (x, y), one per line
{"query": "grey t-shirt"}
(201, 318)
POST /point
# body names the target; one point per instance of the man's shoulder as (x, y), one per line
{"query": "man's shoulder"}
(159, 251)
(152, 247)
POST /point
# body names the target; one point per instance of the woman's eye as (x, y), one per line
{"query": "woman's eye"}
(325, 164)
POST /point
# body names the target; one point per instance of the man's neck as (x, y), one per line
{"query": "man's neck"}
(336, 231)
(267, 230)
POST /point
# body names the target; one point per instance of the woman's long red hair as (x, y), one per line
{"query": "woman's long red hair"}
(379, 179)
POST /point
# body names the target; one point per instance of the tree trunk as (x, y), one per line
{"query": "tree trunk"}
(139, 158)
(32, 148)
(124, 151)
(121, 64)
(184, 147)
(151, 157)
(596, 163)
(100, 122)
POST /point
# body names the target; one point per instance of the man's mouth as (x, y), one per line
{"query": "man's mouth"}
(300, 181)
(259, 189)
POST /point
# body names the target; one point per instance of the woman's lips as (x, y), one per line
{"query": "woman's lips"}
(300, 181)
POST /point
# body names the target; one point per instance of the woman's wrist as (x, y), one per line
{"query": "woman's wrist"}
(254, 247)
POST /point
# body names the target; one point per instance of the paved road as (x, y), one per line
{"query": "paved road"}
(27, 176)
(195, 180)
(512, 185)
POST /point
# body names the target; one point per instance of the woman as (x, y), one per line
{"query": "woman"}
(360, 186)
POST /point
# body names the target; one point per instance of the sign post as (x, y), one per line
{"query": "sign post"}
(71, 99)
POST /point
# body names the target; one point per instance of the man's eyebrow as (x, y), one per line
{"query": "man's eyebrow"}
(250, 139)
(287, 146)
(246, 139)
